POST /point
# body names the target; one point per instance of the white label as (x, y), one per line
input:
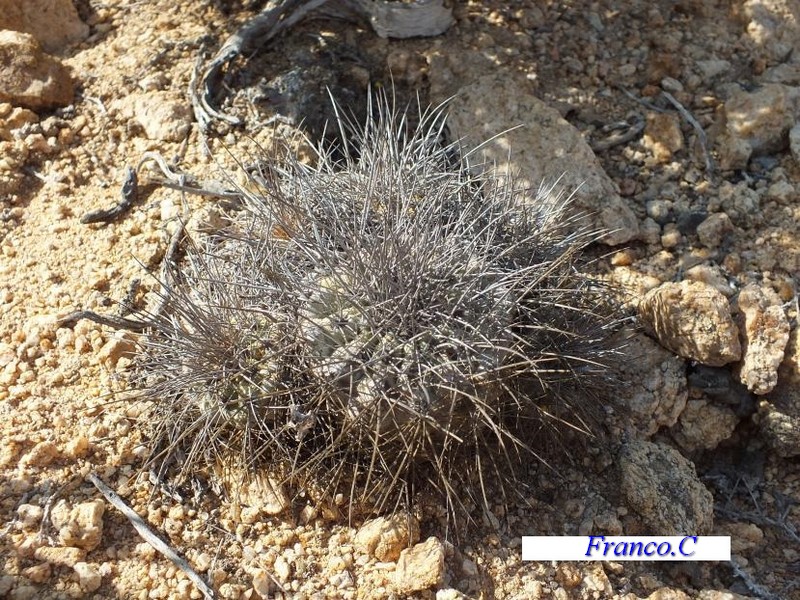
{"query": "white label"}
(627, 547)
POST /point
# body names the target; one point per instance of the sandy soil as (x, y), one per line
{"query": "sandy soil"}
(62, 399)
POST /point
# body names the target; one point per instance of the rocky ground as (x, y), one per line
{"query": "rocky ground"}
(681, 120)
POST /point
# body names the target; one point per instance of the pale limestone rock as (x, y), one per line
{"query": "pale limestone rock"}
(693, 320)
(386, 537)
(710, 69)
(663, 488)
(712, 276)
(744, 536)
(121, 344)
(779, 417)
(41, 455)
(757, 123)
(545, 150)
(703, 425)
(81, 526)
(657, 390)
(420, 568)
(54, 23)
(663, 135)
(38, 573)
(265, 494)
(89, 577)
(59, 555)
(29, 77)
(765, 333)
(794, 142)
(772, 25)
(713, 230)
(163, 115)
(29, 516)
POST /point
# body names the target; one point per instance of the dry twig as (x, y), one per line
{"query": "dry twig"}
(150, 537)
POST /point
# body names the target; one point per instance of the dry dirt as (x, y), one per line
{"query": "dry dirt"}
(62, 417)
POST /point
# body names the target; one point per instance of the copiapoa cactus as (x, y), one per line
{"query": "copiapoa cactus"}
(387, 319)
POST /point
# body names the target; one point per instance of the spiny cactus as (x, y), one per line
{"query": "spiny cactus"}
(388, 317)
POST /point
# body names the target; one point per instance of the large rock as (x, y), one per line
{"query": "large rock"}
(386, 537)
(29, 77)
(765, 332)
(662, 487)
(420, 567)
(704, 424)
(757, 123)
(54, 23)
(656, 393)
(164, 116)
(693, 320)
(773, 26)
(80, 526)
(544, 150)
(779, 416)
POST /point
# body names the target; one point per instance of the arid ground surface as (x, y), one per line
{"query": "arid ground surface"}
(706, 192)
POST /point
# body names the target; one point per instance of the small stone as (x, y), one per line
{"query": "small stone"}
(662, 487)
(250, 515)
(671, 237)
(557, 153)
(164, 115)
(420, 567)
(771, 29)
(59, 555)
(693, 320)
(77, 447)
(744, 536)
(623, 258)
(663, 135)
(794, 142)
(385, 537)
(671, 85)
(29, 77)
(229, 591)
(122, 344)
(568, 575)
(703, 425)
(54, 23)
(308, 514)
(262, 584)
(41, 455)
(24, 591)
(469, 568)
(282, 569)
(266, 494)
(734, 153)
(709, 69)
(658, 210)
(38, 573)
(342, 580)
(712, 231)
(83, 526)
(759, 120)
(712, 276)
(595, 580)
(780, 417)
(650, 232)
(88, 576)
(30, 516)
(781, 191)
(449, 594)
(765, 333)
(666, 593)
